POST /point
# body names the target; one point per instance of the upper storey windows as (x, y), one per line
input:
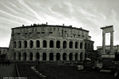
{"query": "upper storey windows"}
(44, 43)
(53, 31)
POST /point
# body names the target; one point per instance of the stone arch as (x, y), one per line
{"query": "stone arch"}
(64, 44)
(19, 44)
(37, 56)
(44, 56)
(31, 56)
(58, 56)
(31, 44)
(14, 44)
(19, 56)
(81, 56)
(37, 43)
(25, 44)
(24, 56)
(51, 56)
(44, 43)
(58, 44)
(70, 44)
(14, 56)
(51, 44)
(76, 56)
(76, 44)
(70, 56)
(64, 56)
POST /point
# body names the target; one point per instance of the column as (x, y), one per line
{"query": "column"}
(34, 43)
(111, 42)
(73, 56)
(78, 56)
(48, 45)
(61, 44)
(103, 42)
(61, 57)
(22, 44)
(54, 56)
(74, 45)
(34, 56)
(83, 44)
(67, 57)
(16, 56)
(47, 56)
(54, 43)
(41, 56)
(21, 56)
(27, 56)
(28, 45)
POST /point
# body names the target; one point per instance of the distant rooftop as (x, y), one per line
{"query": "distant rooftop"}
(46, 25)
(4, 47)
(107, 27)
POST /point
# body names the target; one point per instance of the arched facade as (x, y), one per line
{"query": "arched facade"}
(48, 43)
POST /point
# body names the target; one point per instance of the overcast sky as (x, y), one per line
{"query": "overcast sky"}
(88, 14)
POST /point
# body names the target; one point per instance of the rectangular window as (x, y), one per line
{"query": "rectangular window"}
(18, 33)
(26, 33)
(50, 32)
(38, 32)
(42, 32)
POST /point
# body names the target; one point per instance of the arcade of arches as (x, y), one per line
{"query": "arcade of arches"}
(47, 56)
(50, 44)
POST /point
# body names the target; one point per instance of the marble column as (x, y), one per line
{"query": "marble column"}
(103, 42)
(111, 42)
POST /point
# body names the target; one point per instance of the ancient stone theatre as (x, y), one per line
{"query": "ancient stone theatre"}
(43, 42)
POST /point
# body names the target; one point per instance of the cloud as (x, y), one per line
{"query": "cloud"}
(30, 9)
(13, 16)
(88, 14)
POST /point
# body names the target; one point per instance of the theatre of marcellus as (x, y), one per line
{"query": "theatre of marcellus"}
(43, 42)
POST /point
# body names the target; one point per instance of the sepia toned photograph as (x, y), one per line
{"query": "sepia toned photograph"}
(59, 39)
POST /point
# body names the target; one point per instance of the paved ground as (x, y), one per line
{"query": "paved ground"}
(52, 71)
(7, 70)
(69, 72)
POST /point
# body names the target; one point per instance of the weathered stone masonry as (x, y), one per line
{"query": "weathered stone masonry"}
(48, 43)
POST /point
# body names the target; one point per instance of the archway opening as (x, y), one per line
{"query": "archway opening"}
(81, 56)
(31, 56)
(44, 43)
(76, 56)
(19, 56)
(44, 56)
(76, 45)
(64, 44)
(14, 55)
(37, 56)
(58, 56)
(14, 44)
(19, 43)
(51, 56)
(81, 45)
(64, 56)
(70, 44)
(24, 56)
(51, 44)
(70, 56)
(58, 44)
(25, 44)
(37, 43)
(31, 44)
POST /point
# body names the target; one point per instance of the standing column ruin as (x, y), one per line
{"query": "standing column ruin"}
(107, 29)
